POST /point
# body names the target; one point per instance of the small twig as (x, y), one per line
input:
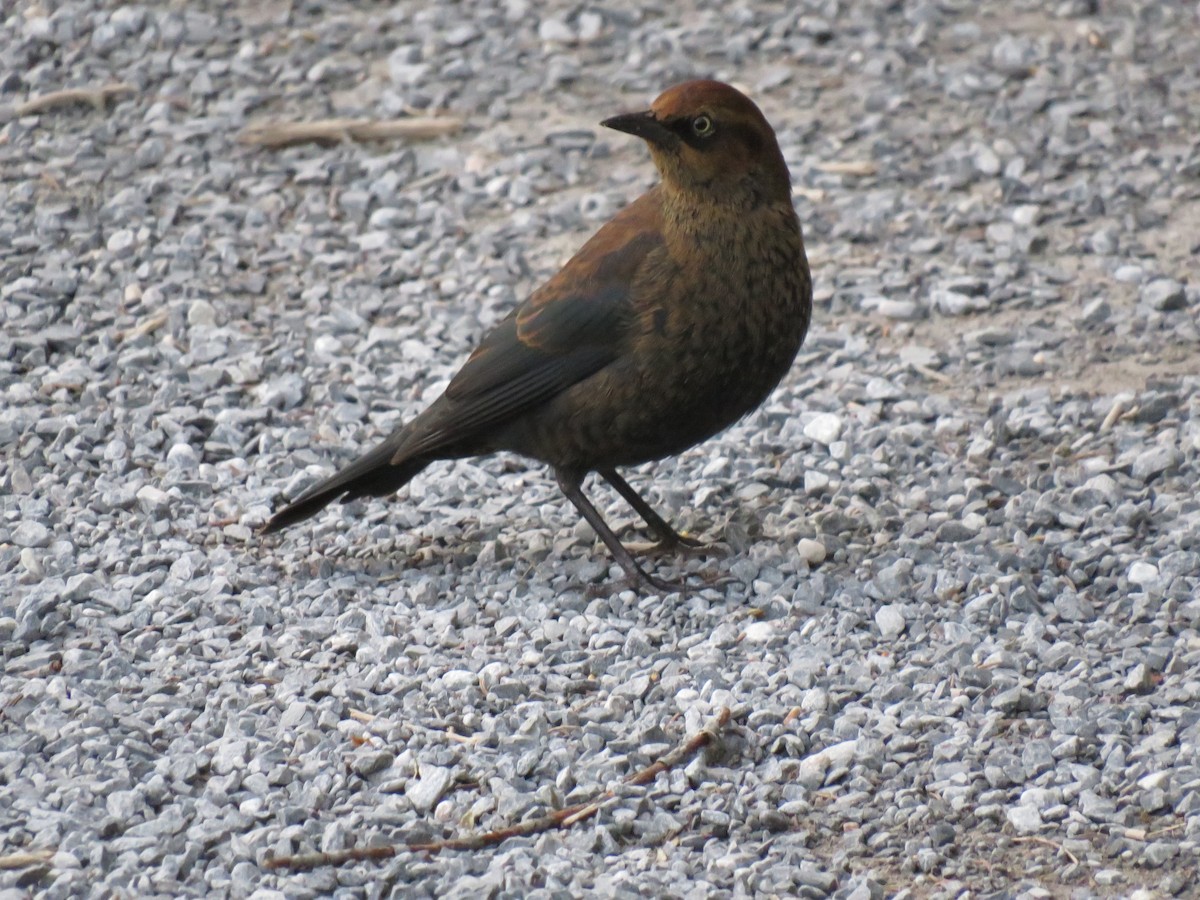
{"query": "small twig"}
(426, 180)
(848, 167)
(1166, 830)
(560, 818)
(368, 718)
(1118, 410)
(97, 97)
(686, 750)
(931, 374)
(1034, 839)
(25, 859)
(146, 326)
(812, 195)
(331, 131)
(333, 858)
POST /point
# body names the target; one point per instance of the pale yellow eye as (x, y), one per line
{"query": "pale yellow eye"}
(702, 126)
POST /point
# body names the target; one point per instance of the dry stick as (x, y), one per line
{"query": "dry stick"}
(848, 167)
(560, 818)
(144, 327)
(288, 134)
(1167, 830)
(98, 97)
(367, 718)
(1034, 839)
(25, 859)
(931, 374)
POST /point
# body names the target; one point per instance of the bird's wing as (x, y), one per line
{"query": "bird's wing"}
(570, 328)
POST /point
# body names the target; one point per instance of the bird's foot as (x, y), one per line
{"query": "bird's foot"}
(640, 582)
(643, 582)
(719, 581)
(641, 579)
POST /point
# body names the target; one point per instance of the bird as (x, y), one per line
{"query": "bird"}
(673, 321)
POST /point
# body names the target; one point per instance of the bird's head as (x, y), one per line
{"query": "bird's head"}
(709, 138)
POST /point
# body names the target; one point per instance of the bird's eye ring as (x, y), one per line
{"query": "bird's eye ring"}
(702, 126)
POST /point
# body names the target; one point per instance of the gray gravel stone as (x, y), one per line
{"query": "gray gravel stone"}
(31, 534)
(812, 552)
(426, 791)
(824, 428)
(1154, 461)
(890, 620)
(1025, 819)
(1164, 294)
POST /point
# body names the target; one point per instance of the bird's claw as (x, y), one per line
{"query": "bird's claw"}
(640, 581)
(643, 579)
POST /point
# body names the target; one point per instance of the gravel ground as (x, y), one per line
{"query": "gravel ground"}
(964, 652)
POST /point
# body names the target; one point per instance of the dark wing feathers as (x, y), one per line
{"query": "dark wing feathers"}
(569, 329)
(451, 422)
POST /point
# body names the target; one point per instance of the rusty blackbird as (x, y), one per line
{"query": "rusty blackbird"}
(673, 321)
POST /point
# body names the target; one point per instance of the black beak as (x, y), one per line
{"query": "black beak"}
(643, 125)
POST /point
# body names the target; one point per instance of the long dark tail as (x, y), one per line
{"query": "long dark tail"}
(372, 475)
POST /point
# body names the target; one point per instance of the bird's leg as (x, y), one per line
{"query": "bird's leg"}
(668, 537)
(570, 484)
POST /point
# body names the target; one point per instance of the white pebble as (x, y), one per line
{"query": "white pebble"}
(813, 768)
(120, 241)
(591, 25)
(153, 500)
(32, 563)
(815, 700)
(458, 679)
(812, 552)
(1027, 214)
(555, 31)
(815, 482)
(974, 521)
(327, 346)
(183, 456)
(429, 789)
(904, 310)
(1143, 573)
(201, 313)
(32, 534)
(1025, 819)
(890, 620)
(824, 429)
(759, 632)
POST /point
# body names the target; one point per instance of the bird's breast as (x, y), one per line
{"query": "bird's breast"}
(738, 311)
(721, 333)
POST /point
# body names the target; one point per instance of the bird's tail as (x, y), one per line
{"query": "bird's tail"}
(372, 475)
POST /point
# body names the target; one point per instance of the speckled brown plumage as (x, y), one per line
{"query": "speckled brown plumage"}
(675, 320)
